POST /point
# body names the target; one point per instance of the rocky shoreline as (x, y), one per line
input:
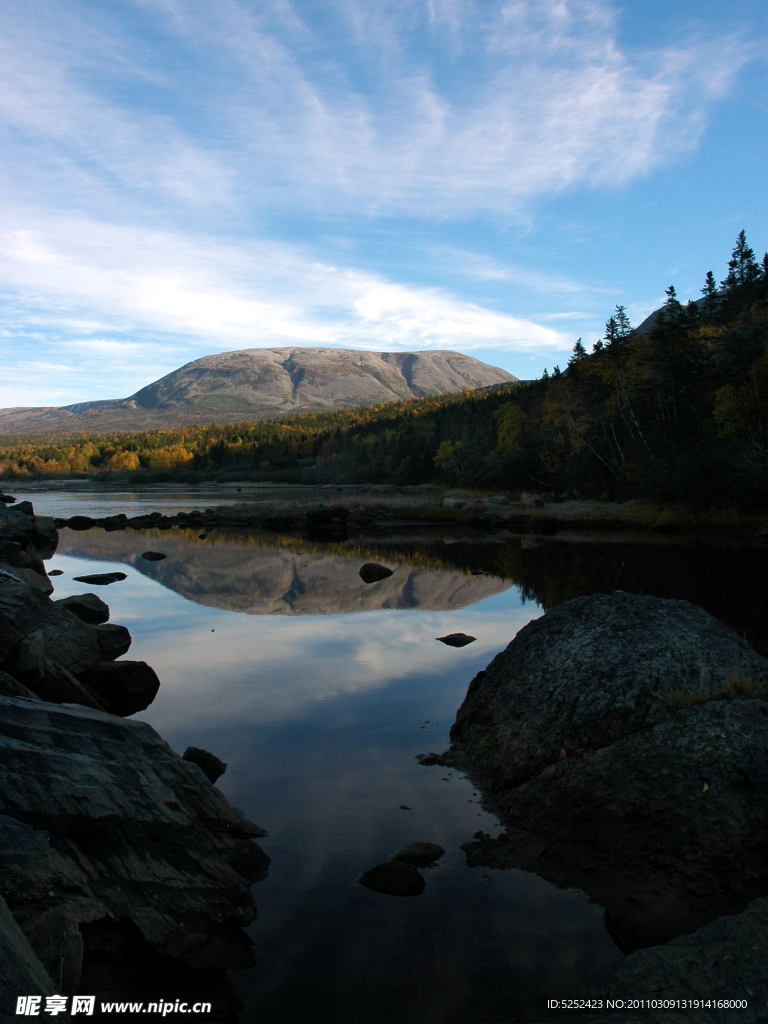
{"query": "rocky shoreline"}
(337, 513)
(126, 871)
(623, 741)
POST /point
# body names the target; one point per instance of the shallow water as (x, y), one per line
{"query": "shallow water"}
(318, 692)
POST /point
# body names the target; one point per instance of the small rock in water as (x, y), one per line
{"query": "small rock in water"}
(456, 639)
(80, 522)
(418, 854)
(405, 807)
(153, 556)
(393, 878)
(213, 767)
(202, 536)
(101, 579)
(372, 572)
(55, 572)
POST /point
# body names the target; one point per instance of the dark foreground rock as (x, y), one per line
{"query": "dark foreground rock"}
(87, 607)
(419, 854)
(111, 841)
(572, 733)
(47, 649)
(724, 960)
(211, 766)
(372, 572)
(393, 878)
(124, 687)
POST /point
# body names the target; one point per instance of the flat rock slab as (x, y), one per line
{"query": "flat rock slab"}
(99, 818)
(418, 854)
(456, 639)
(393, 878)
(101, 579)
(372, 572)
(153, 556)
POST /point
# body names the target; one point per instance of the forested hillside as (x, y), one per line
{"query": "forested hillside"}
(679, 413)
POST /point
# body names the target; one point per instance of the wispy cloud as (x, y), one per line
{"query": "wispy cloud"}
(167, 297)
(152, 153)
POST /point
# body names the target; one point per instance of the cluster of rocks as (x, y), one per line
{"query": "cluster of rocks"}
(125, 871)
(399, 876)
(623, 740)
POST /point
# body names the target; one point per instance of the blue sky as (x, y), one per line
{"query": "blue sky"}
(181, 177)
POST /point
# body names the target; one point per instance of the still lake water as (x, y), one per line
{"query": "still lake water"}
(318, 691)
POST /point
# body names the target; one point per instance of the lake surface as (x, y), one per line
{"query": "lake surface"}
(318, 691)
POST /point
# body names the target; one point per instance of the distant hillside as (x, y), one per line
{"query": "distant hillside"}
(261, 383)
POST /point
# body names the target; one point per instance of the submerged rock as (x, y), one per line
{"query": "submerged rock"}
(153, 556)
(211, 766)
(372, 572)
(393, 878)
(87, 607)
(456, 639)
(101, 821)
(623, 740)
(418, 854)
(101, 579)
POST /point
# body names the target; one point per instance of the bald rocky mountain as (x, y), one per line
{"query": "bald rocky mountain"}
(262, 383)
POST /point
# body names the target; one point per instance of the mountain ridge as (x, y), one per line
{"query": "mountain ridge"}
(264, 383)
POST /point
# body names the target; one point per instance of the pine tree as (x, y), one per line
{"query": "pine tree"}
(611, 335)
(622, 322)
(709, 291)
(742, 266)
(671, 311)
(579, 353)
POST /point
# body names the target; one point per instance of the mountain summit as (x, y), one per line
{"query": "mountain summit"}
(261, 383)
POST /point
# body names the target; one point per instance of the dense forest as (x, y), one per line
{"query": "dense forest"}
(677, 413)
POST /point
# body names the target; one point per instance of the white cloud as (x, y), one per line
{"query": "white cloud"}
(151, 150)
(174, 298)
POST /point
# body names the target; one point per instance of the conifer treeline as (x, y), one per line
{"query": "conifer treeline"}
(679, 413)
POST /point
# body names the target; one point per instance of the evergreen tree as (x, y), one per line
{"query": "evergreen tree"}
(579, 353)
(709, 291)
(611, 335)
(671, 311)
(742, 266)
(598, 346)
(623, 325)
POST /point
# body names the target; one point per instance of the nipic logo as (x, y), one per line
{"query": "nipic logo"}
(29, 1006)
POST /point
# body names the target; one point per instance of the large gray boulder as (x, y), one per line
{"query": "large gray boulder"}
(101, 821)
(591, 671)
(624, 741)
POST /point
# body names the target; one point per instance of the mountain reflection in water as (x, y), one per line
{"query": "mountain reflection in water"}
(319, 717)
(292, 578)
